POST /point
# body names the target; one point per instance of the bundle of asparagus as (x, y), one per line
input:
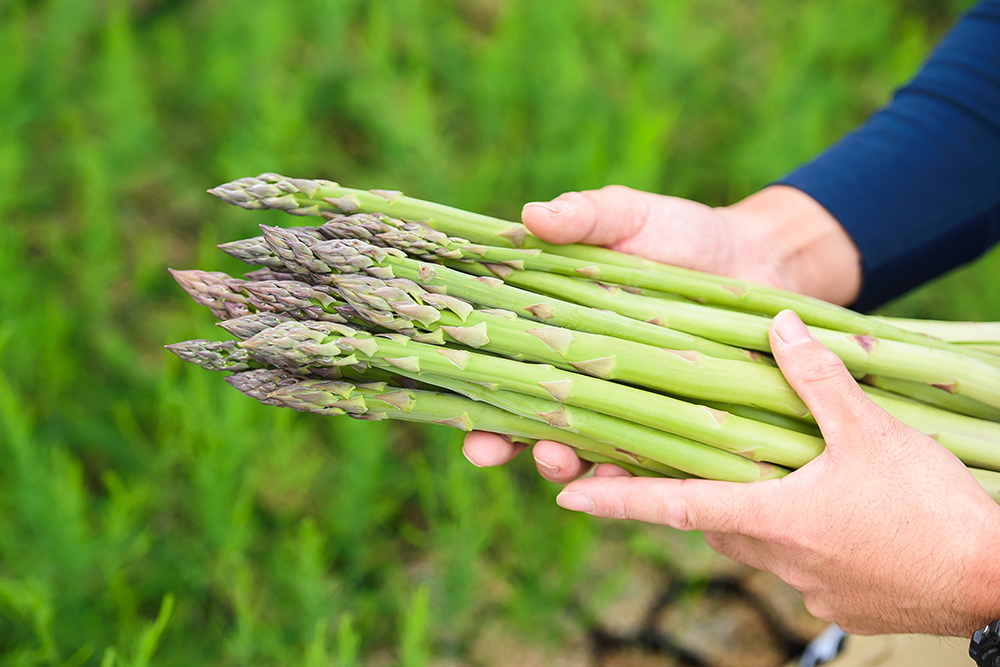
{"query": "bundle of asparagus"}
(397, 308)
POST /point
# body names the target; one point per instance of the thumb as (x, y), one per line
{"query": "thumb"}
(596, 217)
(689, 504)
(822, 381)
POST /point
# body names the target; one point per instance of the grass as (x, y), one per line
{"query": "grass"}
(150, 514)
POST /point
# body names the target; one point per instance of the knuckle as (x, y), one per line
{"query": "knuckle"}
(821, 366)
(618, 506)
(818, 607)
(676, 512)
(616, 190)
(574, 197)
(799, 579)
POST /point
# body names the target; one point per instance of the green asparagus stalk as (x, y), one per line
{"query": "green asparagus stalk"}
(261, 384)
(690, 375)
(709, 462)
(305, 256)
(937, 369)
(383, 401)
(412, 241)
(973, 440)
(958, 436)
(641, 441)
(750, 331)
(890, 358)
(934, 395)
(299, 344)
(313, 197)
(990, 480)
(299, 196)
(954, 332)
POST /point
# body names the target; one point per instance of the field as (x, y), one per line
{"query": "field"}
(151, 515)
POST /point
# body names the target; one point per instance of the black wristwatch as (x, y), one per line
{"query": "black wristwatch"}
(985, 646)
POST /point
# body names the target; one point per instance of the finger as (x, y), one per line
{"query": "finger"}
(820, 378)
(610, 470)
(597, 217)
(690, 504)
(489, 449)
(557, 462)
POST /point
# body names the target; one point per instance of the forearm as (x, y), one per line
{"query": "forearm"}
(917, 187)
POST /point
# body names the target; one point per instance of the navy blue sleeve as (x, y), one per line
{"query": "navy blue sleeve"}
(918, 185)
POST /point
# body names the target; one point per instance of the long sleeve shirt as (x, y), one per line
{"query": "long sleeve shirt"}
(917, 186)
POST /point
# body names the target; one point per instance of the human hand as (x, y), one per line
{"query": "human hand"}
(779, 236)
(884, 532)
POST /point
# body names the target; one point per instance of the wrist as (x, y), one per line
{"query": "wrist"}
(798, 241)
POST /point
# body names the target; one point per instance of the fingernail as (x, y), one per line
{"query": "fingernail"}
(469, 458)
(578, 502)
(546, 466)
(553, 207)
(790, 328)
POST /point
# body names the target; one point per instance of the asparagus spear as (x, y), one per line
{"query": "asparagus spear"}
(217, 291)
(300, 344)
(687, 456)
(221, 293)
(229, 297)
(307, 257)
(990, 480)
(973, 440)
(934, 395)
(357, 256)
(383, 401)
(690, 375)
(966, 439)
(261, 384)
(415, 242)
(256, 251)
(955, 332)
(638, 440)
(312, 197)
(212, 355)
(888, 361)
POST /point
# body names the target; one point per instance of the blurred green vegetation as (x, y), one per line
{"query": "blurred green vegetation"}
(147, 509)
